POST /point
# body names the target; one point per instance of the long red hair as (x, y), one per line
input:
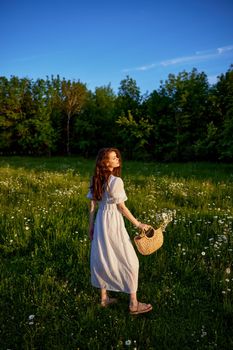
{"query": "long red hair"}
(102, 173)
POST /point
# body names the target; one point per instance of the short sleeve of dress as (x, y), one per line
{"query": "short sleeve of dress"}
(117, 191)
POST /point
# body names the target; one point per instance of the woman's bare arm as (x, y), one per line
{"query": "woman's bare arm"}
(126, 212)
(92, 207)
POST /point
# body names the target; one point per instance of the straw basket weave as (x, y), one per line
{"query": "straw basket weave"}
(147, 242)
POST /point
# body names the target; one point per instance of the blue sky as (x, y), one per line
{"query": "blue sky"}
(100, 42)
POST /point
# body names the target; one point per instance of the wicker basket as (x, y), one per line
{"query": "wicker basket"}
(150, 241)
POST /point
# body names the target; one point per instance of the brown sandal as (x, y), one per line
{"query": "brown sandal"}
(108, 301)
(141, 309)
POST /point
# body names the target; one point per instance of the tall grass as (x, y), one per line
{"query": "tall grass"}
(46, 300)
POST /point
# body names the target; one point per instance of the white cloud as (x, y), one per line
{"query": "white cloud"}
(150, 66)
(197, 57)
(141, 68)
(183, 59)
(224, 49)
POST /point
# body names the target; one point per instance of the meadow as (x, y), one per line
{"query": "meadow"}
(46, 300)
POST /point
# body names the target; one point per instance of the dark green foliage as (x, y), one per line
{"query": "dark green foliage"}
(185, 119)
(95, 127)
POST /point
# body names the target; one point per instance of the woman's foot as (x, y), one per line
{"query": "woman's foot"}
(108, 301)
(140, 308)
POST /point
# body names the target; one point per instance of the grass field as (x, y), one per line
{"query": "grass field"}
(46, 300)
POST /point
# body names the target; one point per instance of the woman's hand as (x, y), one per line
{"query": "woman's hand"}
(144, 226)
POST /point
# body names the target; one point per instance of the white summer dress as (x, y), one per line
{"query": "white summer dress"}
(114, 263)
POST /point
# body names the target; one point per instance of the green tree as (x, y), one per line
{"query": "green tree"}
(129, 97)
(5, 122)
(95, 126)
(134, 135)
(44, 136)
(57, 115)
(189, 95)
(223, 109)
(206, 147)
(73, 98)
(16, 102)
(158, 109)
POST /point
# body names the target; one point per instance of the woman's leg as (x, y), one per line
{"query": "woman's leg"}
(105, 300)
(104, 294)
(133, 301)
(135, 307)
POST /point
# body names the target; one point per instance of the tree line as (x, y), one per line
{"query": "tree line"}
(186, 118)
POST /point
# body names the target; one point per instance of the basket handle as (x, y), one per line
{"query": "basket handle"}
(143, 231)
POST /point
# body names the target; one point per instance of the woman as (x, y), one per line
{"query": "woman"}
(114, 263)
